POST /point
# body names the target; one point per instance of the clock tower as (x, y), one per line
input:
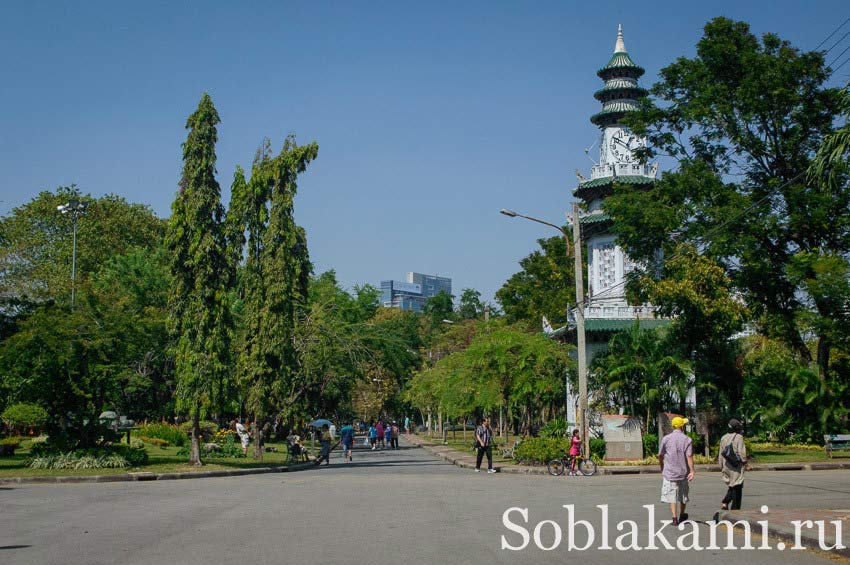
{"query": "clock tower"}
(607, 265)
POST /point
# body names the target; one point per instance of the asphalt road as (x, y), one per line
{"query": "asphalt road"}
(386, 507)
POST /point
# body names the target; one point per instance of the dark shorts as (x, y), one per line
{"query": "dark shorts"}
(346, 446)
(373, 440)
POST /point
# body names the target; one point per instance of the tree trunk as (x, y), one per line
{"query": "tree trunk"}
(195, 450)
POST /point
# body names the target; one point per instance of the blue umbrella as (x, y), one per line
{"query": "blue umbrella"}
(321, 422)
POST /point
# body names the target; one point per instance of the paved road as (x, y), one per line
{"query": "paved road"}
(386, 507)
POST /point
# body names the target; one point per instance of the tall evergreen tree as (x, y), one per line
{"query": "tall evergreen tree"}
(274, 276)
(200, 313)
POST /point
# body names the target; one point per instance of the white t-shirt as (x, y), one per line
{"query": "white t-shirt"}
(332, 429)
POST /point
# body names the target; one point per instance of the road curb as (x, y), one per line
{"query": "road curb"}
(457, 458)
(148, 476)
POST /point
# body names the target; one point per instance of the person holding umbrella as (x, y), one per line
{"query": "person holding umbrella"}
(347, 435)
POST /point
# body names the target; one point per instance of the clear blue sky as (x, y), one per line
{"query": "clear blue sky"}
(430, 116)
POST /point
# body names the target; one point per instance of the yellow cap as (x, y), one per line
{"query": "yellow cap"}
(678, 422)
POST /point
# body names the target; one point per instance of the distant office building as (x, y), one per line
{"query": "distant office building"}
(413, 293)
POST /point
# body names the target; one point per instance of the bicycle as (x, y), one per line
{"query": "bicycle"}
(508, 452)
(585, 466)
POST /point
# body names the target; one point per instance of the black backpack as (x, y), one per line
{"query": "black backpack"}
(730, 456)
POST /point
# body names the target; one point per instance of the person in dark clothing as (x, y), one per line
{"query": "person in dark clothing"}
(484, 443)
(732, 472)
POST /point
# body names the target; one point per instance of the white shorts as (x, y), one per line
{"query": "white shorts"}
(244, 439)
(675, 491)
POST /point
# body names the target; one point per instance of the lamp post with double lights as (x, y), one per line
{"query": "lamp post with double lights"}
(582, 353)
(76, 208)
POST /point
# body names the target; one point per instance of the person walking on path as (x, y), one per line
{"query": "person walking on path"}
(325, 439)
(380, 429)
(394, 435)
(575, 449)
(373, 435)
(388, 435)
(676, 457)
(484, 443)
(733, 463)
(407, 424)
(347, 435)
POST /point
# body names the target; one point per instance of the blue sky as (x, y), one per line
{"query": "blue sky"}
(430, 116)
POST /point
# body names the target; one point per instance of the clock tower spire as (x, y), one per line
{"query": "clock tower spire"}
(607, 264)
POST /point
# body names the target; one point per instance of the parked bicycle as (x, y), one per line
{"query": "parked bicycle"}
(508, 452)
(585, 466)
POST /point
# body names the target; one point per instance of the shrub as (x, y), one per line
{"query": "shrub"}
(540, 449)
(208, 430)
(78, 461)
(228, 448)
(168, 432)
(597, 448)
(699, 442)
(554, 428)
(134, 456)
(650, 444)
(23, 415)
(8, 445)
(155, 441)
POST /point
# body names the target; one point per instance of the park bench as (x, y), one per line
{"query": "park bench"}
(834, 442)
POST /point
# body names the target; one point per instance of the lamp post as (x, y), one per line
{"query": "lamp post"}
(76, 208)
(582, 353)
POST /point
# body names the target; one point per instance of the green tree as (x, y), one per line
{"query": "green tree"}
(544, 287)
(642, 373)
(743, 118)
(200, 314)
(35, 254)
(470, 307)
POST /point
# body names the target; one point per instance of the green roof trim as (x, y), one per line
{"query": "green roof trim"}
(623, 179)
(620, 324)
(596, 218)
(631, 90)
(604, 325)
(621, 60)
(614, 110)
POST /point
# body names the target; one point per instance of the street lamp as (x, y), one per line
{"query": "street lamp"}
(76, 208)
(582, 353)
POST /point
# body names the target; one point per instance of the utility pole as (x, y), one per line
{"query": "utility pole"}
(582, 351)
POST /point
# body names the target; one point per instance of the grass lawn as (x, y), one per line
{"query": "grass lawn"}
(160, 460)
(465, 445)
(791, 455)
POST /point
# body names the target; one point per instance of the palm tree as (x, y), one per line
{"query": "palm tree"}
(640, 372)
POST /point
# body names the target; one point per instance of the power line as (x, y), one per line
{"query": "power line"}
(839, 56)
(834, 45)
(833, 33)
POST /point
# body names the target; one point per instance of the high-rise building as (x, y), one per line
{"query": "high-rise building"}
(413, 293)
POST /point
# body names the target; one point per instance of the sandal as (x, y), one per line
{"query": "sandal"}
(724, 506)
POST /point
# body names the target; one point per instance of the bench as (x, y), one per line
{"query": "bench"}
(834, 442)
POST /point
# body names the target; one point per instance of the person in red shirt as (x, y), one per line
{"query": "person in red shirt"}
(575, 449)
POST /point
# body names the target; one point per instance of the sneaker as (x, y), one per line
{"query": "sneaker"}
(683, 517)
(675, 521)
(491, 470)
(477, 470)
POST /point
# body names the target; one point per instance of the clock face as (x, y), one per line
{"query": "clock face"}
(622, 143)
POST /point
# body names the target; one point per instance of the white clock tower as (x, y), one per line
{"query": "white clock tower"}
(607, 265)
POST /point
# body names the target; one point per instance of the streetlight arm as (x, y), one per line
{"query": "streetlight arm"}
(513, 214)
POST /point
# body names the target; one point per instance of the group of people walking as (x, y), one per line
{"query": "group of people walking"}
(383, 435)
(676, 457)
